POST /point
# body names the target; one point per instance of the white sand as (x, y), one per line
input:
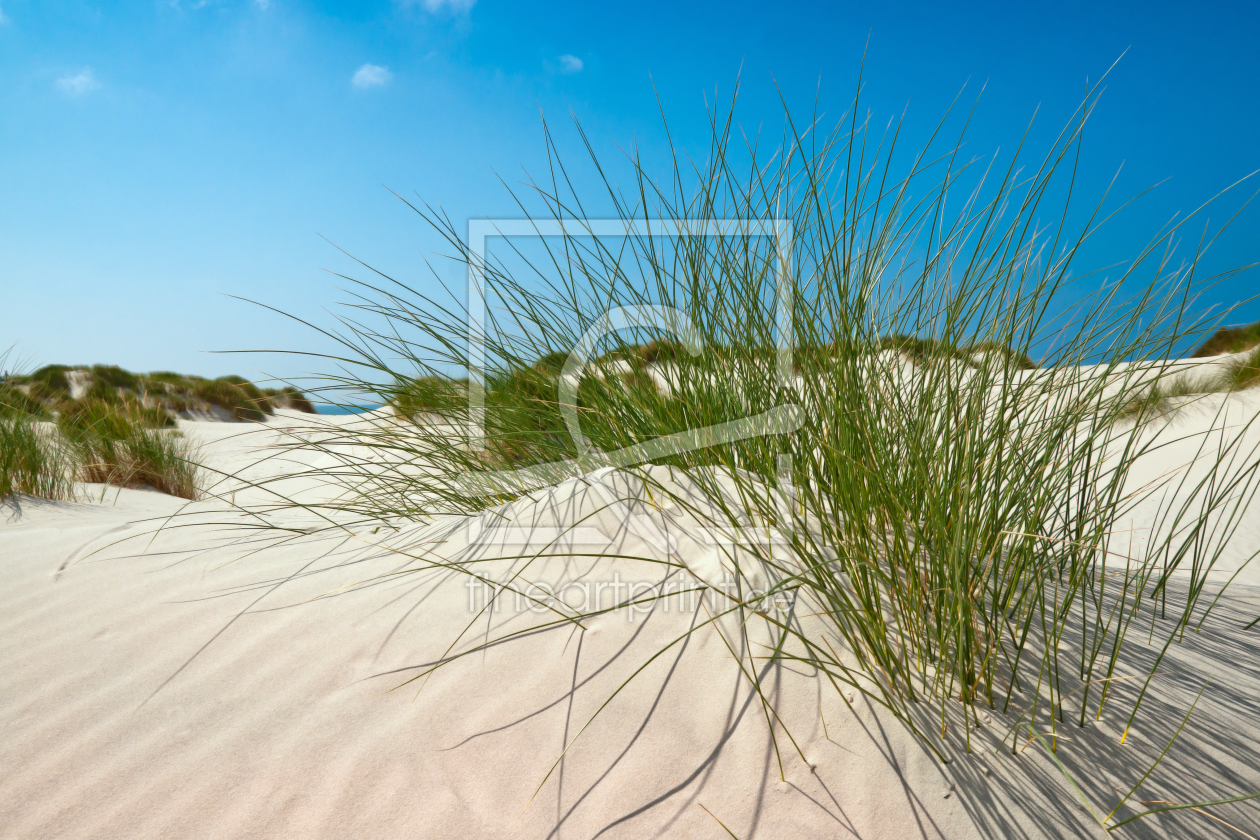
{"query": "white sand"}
(186, 685)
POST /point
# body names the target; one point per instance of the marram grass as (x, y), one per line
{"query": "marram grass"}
(48, 390)
(1172, 392)
(1230, 340)
(955, 510)
(96, 443)
(32, 461)
(129, 446)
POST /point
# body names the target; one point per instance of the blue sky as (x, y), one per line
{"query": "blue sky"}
(157, 156)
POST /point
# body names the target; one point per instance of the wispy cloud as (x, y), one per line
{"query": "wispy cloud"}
(571, 64)
(263, 4)
(370, 76)
(3, 18)
(433, 7)
(78, 84)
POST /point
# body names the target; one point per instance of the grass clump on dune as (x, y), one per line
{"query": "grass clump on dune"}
(1167, 396)
(426, 394)
(31, 461)
(1230, 340)
(111, 445)
(953, 527)
(655, 352)
(922, 350)
(1172, 392)
(243, 400)
(1244, 372)
(112, 376)
(52, 379)
(173, 393)
(115, 438)
(15, 401)
(290, 398)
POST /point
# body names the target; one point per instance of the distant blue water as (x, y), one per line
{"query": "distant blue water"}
(345, 409)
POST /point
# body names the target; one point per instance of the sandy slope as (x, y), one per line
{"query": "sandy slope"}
(190, 684)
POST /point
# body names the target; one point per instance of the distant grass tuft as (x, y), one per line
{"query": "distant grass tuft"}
(1244, 372)
(161, 391)
(1166, 398)
(115, 377)
(49, 380)
(923, 350)
(1230, 340)
(292, 399)
(230, 396)
(15, 401)
(659, 351)
(119, 433)
(425, 394)
(254, 396)
(103, 391)
(161, 460)
(1169, 395)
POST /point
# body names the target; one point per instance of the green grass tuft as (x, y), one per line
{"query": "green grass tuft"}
(164, 391)
(51, 380)
(115, 377)
(231, 397)
(15, 401)
(111, 446)
(1230, 340)
(31, 461)
(292, 399)
(427, 394)
(1244, 373)
(1168, 396)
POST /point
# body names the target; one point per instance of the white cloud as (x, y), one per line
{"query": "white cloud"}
(570, 64)
(371, 75)
(433, 7)
(263, 4)
(3, 19)
(80, 83)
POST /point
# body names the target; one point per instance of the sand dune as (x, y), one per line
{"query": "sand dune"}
(212, 680)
